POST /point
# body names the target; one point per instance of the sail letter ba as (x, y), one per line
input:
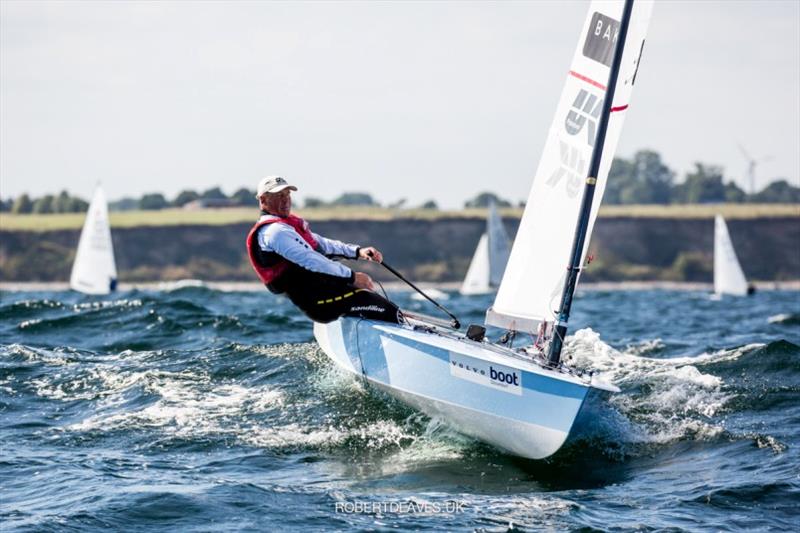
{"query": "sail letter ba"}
(600, 40)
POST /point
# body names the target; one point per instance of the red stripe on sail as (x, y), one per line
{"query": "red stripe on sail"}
(590, 81)
(619, 108)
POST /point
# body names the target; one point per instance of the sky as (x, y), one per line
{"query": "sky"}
(415, 100)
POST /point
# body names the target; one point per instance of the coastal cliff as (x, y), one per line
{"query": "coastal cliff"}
(624, 248)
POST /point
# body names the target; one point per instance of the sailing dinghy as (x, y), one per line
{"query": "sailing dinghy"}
(728, 275)
(489, 261)
(521, 399)
(94, 270)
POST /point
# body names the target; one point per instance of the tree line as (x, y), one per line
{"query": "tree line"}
(64, 203)
(643, 179)
(214, 197)
(61, 203)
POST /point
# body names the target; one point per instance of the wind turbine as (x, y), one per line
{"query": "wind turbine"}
(751, 167)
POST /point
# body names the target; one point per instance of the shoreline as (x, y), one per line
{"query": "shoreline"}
(244, 286)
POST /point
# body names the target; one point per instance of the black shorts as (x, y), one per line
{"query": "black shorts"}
(325, 298)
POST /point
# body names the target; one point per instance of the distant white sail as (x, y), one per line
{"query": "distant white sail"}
(94, 270)
(534, 278)
(477, 280)
(728, 275)
(491, 256)
(499, 246)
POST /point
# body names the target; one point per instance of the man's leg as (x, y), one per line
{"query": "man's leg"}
(360, 303)
(325, 298)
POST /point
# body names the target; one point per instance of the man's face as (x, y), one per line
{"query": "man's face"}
(278, 203)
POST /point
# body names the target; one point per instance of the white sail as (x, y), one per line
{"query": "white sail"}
(94, 270)
(728, 275)
(477, 279)
(490, 258)
(532, 285)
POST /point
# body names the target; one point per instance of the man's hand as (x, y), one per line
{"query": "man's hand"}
(370, 254)
(363, 281)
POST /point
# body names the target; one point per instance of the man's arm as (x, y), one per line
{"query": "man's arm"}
(334, 248)
(286, 242)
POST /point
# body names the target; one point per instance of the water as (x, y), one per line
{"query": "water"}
(201, 410)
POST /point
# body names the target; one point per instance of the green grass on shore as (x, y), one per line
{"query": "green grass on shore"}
(729, 211)
(216, 217)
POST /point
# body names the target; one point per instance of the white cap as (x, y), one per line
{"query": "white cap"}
(272, 184)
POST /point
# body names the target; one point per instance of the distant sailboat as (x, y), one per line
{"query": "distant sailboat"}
(489, 261)
(94, 270)
(728, 275)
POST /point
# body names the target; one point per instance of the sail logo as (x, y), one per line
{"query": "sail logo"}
(585, 112)
(571, 171)
(493, 375)
(601, 38)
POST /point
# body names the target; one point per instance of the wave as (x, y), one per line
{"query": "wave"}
(785, 319)
(25, 308)
(283, 398)
(779, 359)
(776, 495)
(663, 400)
(763, 378)
(21, 353)
(67, 316)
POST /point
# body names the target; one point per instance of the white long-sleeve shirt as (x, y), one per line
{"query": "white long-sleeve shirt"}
(286, 242)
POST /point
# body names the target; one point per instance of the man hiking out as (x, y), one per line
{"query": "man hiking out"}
(290, 259)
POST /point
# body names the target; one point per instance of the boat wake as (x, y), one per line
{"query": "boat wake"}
(283, 398)
(665, 401)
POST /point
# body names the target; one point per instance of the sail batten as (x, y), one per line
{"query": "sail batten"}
(533, 284)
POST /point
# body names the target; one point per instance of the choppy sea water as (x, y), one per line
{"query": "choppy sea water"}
(202, 410)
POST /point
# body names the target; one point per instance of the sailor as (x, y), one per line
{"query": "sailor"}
(289, 258)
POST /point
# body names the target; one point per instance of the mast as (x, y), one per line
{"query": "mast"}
(560, 331)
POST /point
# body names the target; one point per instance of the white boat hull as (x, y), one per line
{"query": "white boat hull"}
(488, 393)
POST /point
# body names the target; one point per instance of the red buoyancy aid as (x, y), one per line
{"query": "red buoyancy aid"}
(268, 274)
